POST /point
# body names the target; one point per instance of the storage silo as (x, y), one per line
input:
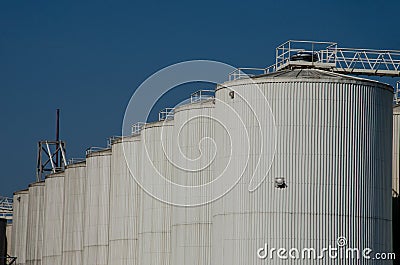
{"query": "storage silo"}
(193, 156)
(124, 201)
(330, 173)
(97, 205)
(9, 238)
(34, 242)
(74, 209)
(155, 223)
(396, 150)
(20, 226)
(53, 220)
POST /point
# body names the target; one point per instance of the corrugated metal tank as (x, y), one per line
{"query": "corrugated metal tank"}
(396, 150)
(74, 209)
(193, 156)
(97, 206)
(333, 149)
(53, 219)
(9, 237)
(155, 228)
(36, 212)
(20, 225)
(124, 201)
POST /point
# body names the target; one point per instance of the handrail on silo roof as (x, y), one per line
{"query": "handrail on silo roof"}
(396, 98)
(246, 72)
(200, 95)
(110, 140)
(166, 114)
(95, 149)
(137, 128)
(75, 160)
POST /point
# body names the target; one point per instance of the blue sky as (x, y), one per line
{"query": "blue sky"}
(87, 58)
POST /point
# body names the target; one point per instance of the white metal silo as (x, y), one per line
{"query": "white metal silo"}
(9, 237)
(20, 225)
(193, 156)
(74, 209)
(53, 220)
(396, 150)
(97, 205)
(34, 241)
(333, 155)
(124, 201)
(155, 223)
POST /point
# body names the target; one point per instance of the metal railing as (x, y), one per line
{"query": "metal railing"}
(75, 160)
(112, 139)
(323, 53)
(6, 207)
(166, 114)
(396, 97)
(95, 149)
(342, 60)
(201, 95)
(137, 128)
(369, 62)
(245, 72)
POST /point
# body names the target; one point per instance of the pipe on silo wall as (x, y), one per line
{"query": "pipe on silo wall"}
(20, 226)
(97, 205)
(333, 150)
(53, 220)
(192, 226)
(155, 228)
(73, 220)
(34, 242)
(396, 150)
(124, 201)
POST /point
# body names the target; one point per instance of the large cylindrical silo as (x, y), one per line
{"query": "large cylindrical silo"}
(396, 150)
(20, 225)
(97, 205)
(74, 209)
(124, 201)
(193, 156)
(9, 237)
(36, 213)
(155, 223)
(330, 175)
(53, 220)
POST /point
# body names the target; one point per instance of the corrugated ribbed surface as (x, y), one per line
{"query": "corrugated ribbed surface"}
(155, 223)
(97, 205)
(74, 204)
(20, 225)
(9, 239)
(333, 149)
(192, 226)
(53, 219)
(34, 247)
(124, 202)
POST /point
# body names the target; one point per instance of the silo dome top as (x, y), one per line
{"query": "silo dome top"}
(307, 75)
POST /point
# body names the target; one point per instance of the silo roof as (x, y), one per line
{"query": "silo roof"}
(307, 75)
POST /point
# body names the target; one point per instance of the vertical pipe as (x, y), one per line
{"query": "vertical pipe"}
(57, 136)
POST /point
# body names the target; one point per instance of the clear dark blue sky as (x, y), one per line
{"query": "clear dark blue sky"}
(87, 57)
